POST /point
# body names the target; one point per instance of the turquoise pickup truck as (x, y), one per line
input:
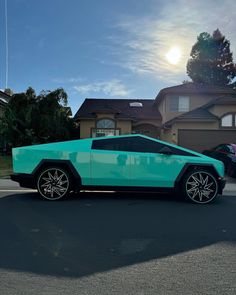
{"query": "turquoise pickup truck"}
(127, 162)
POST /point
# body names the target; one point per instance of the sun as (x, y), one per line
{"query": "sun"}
(173, 55)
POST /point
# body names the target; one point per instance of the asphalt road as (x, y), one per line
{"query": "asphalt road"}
(108, 243)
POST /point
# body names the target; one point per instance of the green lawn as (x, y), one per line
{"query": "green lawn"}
(5, 166)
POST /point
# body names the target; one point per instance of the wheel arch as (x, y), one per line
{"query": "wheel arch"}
(191, 167)
(64, 164)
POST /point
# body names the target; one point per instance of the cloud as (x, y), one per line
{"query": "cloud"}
(145, 41)
(67, 80)
(113, 87)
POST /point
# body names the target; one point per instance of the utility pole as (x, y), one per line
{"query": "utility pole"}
(6, 39)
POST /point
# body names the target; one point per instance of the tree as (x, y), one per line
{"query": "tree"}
(31, 119)
(211, 60)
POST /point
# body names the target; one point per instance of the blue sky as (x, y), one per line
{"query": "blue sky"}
(105, 48)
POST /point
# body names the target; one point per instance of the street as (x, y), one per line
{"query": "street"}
(116, 243)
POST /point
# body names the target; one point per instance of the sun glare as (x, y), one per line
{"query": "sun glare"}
(173, 55)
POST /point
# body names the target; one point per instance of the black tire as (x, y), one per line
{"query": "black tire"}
(200, 186)
(54, 183)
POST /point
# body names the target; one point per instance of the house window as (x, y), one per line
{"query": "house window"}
(104, 132)
(174, 103)
(105, 127)
(228, 120)
(179, 103)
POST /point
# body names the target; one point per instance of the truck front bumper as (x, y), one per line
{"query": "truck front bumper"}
(221, 183)
(24, 180)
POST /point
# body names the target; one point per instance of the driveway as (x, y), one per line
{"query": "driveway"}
(114, 243)
(230, 188)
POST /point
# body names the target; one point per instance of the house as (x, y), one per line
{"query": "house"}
(192, 115)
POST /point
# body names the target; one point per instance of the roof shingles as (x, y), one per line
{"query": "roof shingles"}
(120, 107)
(196, 114)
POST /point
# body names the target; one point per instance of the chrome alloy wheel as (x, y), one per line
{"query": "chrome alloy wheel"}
(201, 187)
(53, 183)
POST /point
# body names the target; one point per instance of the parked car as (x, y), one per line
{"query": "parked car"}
(225, 153)
(128, 162)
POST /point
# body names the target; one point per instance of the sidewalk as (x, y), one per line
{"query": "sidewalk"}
(7, 184)
(230, 188)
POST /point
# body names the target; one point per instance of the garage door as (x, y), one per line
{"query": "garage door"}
(200, 140)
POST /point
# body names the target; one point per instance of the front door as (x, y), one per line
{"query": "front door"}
(151, 168)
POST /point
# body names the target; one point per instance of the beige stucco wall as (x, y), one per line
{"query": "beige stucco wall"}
(161, 108)
(85, 128)
(195, 102)
(220, 110)
(124, 126)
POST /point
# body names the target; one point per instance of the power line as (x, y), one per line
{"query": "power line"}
(6, 36)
